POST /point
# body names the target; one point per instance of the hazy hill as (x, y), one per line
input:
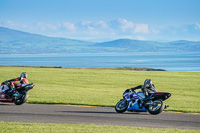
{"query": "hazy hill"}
(17, 42)
(22, 42)
(151, 46)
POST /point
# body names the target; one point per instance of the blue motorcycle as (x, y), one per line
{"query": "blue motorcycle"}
(133, 101)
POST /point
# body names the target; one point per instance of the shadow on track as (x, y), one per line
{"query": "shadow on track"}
(3, 104)
(95, 112)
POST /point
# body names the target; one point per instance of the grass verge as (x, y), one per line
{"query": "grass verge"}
(16, 127)
(105, 87)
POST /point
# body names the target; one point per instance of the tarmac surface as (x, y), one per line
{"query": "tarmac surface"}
(69, 114)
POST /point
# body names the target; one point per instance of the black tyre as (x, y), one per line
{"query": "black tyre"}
(22, 99)
(157, 107)
(121, 106)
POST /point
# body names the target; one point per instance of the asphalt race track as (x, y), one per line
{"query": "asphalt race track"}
(48, 113)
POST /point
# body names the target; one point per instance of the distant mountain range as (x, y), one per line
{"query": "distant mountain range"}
(151, 46)
(18, 42)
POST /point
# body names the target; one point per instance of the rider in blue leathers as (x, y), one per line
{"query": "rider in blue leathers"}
(148, 88)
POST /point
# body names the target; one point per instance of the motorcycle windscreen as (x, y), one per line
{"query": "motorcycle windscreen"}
(3, 88)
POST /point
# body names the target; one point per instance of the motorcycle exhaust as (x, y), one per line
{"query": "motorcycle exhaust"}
(166, 106)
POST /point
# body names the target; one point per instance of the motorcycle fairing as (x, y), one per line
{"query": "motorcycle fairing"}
(25, 87)
(160, 95)
(132, 97)
(19, 88)
(135, 107)
(3, 98)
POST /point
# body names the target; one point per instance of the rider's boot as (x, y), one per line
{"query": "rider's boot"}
(146, 99)
(143, 101)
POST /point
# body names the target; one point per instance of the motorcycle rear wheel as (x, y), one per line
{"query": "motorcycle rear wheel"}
(121, 106)
(22, 99)
(157, 107)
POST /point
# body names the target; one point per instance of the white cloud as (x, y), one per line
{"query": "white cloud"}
(141, 28)
(102, 24)
(126, 25)
(92, 28)
(118, 28)
(94, 25)
(47, 26)
(10, 23)
(197, 26)
(69, 26)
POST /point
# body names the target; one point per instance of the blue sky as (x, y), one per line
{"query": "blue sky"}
(104, 20)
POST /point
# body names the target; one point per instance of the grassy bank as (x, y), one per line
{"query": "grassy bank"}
(105, 87)
(10, 127)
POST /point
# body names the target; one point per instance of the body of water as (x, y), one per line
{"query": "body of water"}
(167, 61)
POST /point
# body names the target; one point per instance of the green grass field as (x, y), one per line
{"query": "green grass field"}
(14, 127)
(105, 87)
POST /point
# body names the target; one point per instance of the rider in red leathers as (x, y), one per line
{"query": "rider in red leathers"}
(11, 85)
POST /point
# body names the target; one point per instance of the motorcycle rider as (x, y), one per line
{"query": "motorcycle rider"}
(11, 85)
(148, 88)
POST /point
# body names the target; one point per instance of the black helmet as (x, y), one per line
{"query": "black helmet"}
(148, 83)
(23, 75)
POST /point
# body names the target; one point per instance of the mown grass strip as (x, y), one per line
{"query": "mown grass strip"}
(16, 127)
(105, 87)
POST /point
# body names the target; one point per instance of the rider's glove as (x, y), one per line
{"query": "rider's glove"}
(132, 89)
(6, 83)
(128, 90)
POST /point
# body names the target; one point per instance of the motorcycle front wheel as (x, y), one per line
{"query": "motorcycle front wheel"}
(121, 106)
(22, 99)
(157, 107)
